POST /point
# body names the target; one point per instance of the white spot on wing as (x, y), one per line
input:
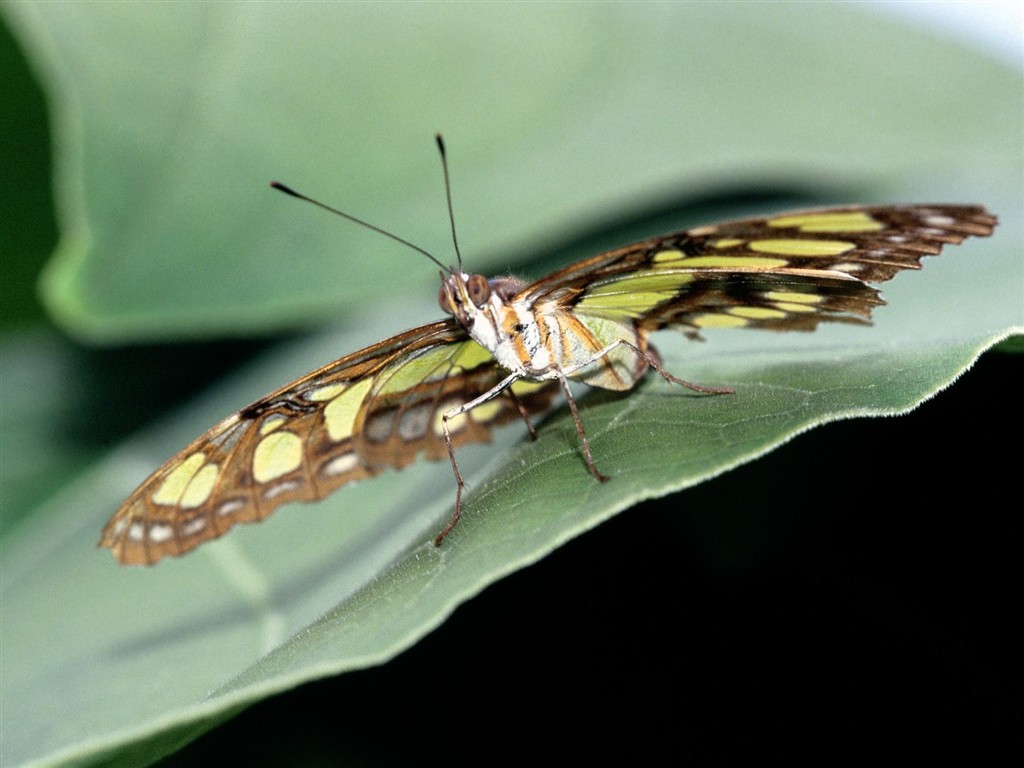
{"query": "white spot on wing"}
(277, 490)
(340, 464)
(412, 424)
(193, 526)
(229, 506)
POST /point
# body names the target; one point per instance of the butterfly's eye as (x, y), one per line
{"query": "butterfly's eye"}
(479, 289)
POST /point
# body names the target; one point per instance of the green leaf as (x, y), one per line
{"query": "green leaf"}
(578, 112)
(354, 580)
(554, 114)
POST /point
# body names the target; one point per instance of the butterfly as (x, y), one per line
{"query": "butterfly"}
(509, 347)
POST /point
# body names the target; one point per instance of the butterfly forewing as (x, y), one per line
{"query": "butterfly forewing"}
(379, 408)
(786, 272)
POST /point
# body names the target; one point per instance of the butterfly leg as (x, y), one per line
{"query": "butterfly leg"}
(525, 414)
(654, 360)
(579, 429)
(490, 394)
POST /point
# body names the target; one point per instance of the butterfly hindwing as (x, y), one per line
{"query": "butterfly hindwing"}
(376, 409)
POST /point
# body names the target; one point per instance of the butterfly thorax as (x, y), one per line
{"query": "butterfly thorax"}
(543, 338)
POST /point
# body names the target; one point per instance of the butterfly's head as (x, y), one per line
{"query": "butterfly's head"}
(466, 296)
(463, 296)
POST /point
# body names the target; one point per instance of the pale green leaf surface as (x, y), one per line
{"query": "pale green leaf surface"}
(554, 113)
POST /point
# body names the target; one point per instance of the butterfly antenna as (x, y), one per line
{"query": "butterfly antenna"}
(289, 191)
(448, 194)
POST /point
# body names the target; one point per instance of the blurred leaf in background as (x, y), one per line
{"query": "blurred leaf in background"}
(571, 129)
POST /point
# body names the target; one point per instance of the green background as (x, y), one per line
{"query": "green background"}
(855, 581)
